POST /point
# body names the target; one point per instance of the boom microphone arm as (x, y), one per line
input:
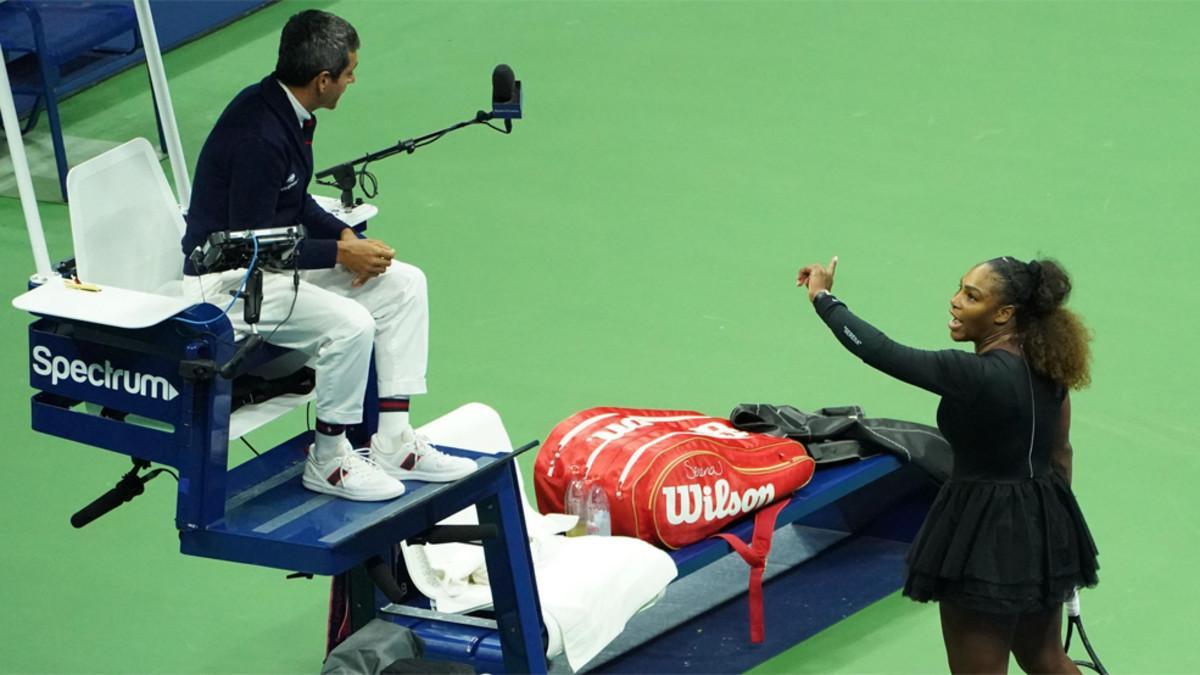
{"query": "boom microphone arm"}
(506, 105)
(345, 177)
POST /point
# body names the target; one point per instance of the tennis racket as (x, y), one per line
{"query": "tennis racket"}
(1074, 622)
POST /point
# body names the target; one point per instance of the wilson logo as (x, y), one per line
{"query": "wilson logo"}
(59, 368)
(621, 427)
(627, 425)
(719, 430)
(691, 503)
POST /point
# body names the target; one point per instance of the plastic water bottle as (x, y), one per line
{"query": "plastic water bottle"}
(574, 501)
(599, 521)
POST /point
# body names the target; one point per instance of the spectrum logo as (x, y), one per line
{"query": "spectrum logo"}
(59, 368)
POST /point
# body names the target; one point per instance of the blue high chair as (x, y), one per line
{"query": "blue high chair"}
(122, 361)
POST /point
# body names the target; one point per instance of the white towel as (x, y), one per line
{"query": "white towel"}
(592, 586)
(589, 587)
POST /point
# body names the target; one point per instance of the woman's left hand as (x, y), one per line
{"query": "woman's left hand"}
(817, 277)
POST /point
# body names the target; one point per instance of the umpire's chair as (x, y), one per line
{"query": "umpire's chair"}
(122, 361)
(133, 244)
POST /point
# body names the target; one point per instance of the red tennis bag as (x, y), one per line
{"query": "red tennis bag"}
(672, 477)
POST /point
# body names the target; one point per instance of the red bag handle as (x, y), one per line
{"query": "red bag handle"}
(755, 555)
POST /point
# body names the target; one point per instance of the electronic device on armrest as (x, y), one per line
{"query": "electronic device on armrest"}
(273, 248)
(276, 248)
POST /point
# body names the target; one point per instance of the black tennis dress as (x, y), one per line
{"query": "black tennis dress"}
(1005, 533)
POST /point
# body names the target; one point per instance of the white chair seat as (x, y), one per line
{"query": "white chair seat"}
(126, 224)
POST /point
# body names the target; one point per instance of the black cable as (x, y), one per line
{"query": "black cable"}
(295, 295)
(438, 135)
(236, 294)
(307, 418)
(503, 131)
(363, 176)
(429, 140)
(256, 453)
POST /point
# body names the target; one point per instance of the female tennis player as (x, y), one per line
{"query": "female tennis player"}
(1004, 543)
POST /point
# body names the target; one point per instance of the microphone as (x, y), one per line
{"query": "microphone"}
(130, 486)
(503, 82)
(506, 95)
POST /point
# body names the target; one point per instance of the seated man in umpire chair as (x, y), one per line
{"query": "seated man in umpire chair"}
(350, 294)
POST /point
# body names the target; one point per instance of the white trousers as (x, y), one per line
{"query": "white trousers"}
(337, 325)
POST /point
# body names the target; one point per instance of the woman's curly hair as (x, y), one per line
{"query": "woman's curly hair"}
(1053, 337)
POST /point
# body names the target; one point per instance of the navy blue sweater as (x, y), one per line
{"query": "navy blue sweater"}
(254, 172)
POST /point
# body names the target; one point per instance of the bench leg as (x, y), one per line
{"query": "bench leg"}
(510, 571)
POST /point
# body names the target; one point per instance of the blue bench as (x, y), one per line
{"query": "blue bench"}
(849, 526)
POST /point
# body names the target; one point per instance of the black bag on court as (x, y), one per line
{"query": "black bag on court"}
(845, 433)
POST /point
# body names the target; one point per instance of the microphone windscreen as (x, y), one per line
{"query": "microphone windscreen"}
(503, 82)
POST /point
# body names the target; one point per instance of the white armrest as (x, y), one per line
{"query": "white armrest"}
(110, 306)
(355, 215)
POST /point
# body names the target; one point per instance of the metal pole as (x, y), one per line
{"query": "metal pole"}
(16, 149)
(162, 99)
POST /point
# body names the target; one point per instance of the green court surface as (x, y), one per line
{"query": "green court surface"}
(635, 241)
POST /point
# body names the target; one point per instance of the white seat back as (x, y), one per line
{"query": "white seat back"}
(125, 221)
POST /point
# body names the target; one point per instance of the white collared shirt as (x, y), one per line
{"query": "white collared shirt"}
(302, 115)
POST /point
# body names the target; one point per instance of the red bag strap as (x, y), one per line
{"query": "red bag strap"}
(755, 555)
(338, 628)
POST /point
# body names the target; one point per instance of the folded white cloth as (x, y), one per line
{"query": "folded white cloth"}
(589, 587)
(592, 586)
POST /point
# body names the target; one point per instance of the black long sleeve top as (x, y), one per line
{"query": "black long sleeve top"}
(999, 415)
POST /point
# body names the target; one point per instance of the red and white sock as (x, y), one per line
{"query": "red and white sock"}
(393, 416)
(329, 441)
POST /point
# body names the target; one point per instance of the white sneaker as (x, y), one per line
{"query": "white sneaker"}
(410, 456)
(350, 475)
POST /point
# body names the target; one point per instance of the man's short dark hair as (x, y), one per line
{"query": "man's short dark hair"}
(314, 41)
